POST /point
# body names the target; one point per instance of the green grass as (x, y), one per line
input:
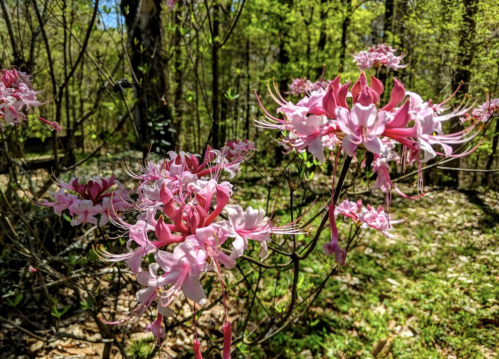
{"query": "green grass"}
(432, 292)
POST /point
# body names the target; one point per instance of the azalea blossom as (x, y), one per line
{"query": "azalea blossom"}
(179, 201)
(366, 216)
(324, 119)
(486, 110)
(237, 149)
(17, 99)
(98, 196)
(377, 56)
(302, 86)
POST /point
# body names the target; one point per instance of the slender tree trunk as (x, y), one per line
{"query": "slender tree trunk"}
(466, 54)
(248, 90)
(495, 139)
(16, 52)
(388, 19)
(177, 119)
(215, 68)
(344, 33)
(283, 60)
(466, 51)
(387, 31)
(149, 62)
(224, 114)
(321, 45)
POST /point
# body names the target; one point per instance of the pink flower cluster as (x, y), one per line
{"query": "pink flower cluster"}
(237, 149)
(349, 118)
(303, 86)
(179, 202)
(366, 216)
(327, 118)
(84, 201)
(17, 98)
(378, 56)
(363, 217)
(486, 110)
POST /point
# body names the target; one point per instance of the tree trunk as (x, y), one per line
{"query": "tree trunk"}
(466, 53)
(344, 33)
(387, 29)
(388, 19)
(283, 60)
(248, 90)
(321, 45)
(179, 70)
(215, 68)
(146, 41)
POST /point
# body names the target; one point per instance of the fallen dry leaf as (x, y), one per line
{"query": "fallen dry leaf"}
(79, 351)
(378, 346)
(36, 346)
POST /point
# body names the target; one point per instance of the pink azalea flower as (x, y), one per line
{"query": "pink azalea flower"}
(236, 149)
(333, 246)
(97, 197)
(366, 217)
(211, 239)
(252, 224)
(486, 110)
(377, 56)
(183, 268)
(17, 99)
(361, 126)
(85, 210)
(138, 235)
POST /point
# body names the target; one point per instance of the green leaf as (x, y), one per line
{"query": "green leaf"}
(208, 285)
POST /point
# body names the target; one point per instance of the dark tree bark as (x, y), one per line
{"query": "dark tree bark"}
(387, 29)
(248, 90)
(466, 51)
(283, 60)
(388, 19)
(321, 45)
(466, 54)
(344, 32)
(215, 68)
(16, 52)
(179, 70)
(146, 41)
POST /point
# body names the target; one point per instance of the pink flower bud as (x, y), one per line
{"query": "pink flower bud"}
(164, 234)
(165, 194)
(396, 97)
(192, 218)
(227, 340)
(197, 350)
(329, 102)
(333, 246)
(377, 85)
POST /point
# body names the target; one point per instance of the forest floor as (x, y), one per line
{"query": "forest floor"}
(430, 292)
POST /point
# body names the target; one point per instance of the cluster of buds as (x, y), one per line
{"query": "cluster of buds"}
(363, 217)
(237, 149)
(348, 118)
(485, 111)
(105, 197)
(302, 86)
(179, 203)
(378, 56)
(17, 98)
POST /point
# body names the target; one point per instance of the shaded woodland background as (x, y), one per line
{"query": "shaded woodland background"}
(186, 75)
